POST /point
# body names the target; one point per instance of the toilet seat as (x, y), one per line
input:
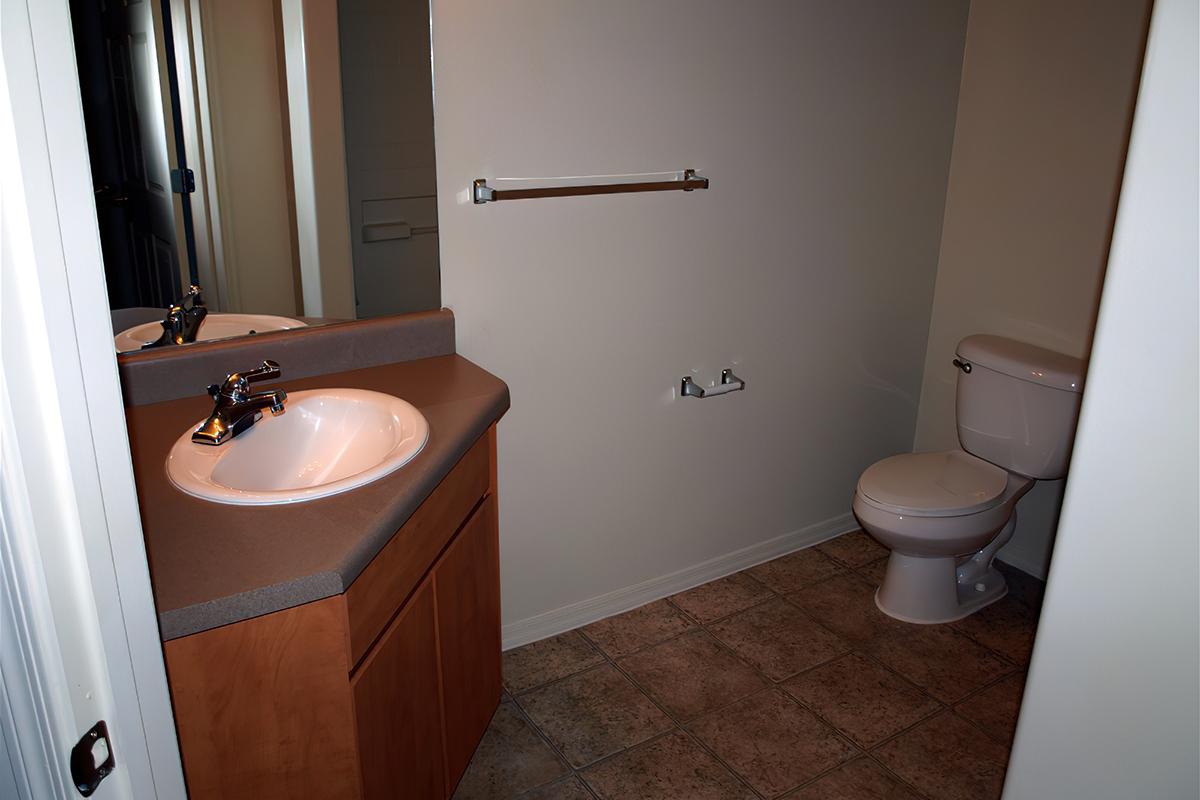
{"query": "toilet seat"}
(951, 483)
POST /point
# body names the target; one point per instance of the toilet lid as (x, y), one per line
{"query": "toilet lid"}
(946, 484)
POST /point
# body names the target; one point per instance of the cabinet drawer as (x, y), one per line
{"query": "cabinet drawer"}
(375, 596)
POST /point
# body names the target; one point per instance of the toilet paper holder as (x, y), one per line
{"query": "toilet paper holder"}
(729, 383)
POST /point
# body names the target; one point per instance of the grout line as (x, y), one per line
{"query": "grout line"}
(681, 726)
(678, 727)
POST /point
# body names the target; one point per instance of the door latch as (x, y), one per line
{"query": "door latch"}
(85, 772)
(183, 181)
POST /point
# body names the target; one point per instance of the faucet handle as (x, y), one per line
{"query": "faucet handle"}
(268, 370)
(239, 382)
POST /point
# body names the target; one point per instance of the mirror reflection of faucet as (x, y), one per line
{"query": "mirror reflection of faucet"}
(183, 320)
(236, 409)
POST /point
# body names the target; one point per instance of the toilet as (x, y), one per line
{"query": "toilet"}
(945, 515)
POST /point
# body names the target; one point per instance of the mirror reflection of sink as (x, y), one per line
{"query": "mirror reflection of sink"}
(217, 325)
(326, 442)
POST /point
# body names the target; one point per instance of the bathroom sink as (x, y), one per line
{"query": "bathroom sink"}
(325, 442)
(216, 325)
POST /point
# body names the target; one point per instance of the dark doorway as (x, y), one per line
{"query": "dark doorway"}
(125, 89)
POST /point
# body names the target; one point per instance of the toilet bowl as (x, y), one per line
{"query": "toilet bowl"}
(945, 515)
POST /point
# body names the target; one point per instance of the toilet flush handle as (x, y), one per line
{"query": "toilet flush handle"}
(965, 366)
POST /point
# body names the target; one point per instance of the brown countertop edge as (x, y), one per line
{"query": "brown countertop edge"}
(215, 564)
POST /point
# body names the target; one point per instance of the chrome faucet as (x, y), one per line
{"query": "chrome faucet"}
(182, 323)
(236, 408)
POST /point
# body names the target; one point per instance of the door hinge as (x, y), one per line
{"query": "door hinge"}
(183, 181)
(85, 772)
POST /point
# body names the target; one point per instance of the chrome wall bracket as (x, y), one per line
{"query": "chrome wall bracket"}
(729, 383)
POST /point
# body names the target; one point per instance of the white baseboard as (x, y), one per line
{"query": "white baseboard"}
(575, 615)
(1028, 566)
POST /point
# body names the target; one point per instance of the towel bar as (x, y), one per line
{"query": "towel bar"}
(687, 182)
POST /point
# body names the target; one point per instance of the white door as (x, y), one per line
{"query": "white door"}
(78, 635)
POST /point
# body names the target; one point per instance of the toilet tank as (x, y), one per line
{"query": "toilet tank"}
(1018, 404)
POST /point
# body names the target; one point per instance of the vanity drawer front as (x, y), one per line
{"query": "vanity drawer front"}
(377, 594)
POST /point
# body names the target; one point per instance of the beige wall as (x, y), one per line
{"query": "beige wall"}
(1043, 117)
(1111, 709)
(247, 112)
(826, 130)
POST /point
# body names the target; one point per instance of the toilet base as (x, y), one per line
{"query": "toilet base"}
(911, 599)
(929, 591)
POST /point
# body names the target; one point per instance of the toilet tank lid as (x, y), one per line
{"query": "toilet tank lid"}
(1025, 361)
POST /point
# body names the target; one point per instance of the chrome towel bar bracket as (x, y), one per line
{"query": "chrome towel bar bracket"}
(687, 181)
(729, 383)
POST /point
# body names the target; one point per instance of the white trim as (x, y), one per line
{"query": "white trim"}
(189, 66)
(82, 537)
(31, 673)
(1030, 566)
(211, 159)
(314, 97)
(560, 620)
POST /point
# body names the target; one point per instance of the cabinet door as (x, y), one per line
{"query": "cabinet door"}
(467, 583)
(396, 707)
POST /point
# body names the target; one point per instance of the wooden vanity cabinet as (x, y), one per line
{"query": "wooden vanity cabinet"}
(381, 692)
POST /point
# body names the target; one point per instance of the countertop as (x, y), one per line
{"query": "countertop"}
(214, 564)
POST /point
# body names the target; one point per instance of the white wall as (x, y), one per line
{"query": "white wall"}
(1043, 118)
(1111, 708)
(826, 130)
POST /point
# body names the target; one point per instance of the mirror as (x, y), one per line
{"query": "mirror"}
(278, 154)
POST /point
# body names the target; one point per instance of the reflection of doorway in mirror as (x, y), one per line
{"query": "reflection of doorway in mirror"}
(279, 154)
(391, 173)
(122, 59)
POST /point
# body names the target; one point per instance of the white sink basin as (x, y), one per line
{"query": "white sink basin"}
(216, 325)
(326, 441)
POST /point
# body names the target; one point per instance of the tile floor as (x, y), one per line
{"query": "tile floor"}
(780, 681)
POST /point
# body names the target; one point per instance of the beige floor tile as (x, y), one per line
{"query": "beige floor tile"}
(796, 570)
(643, 626)
(772, 742)
(861, 779)
(941, 661)
(691, 675)
(995, 709)
(720, 598)
(778, 638)
(861, 699)
(846, 605)
(547, 660)
(510, 759)
(671, 768)
(594, 714)
(854, 549)
(947, 758)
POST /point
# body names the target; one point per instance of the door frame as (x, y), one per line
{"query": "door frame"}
(80, 632)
